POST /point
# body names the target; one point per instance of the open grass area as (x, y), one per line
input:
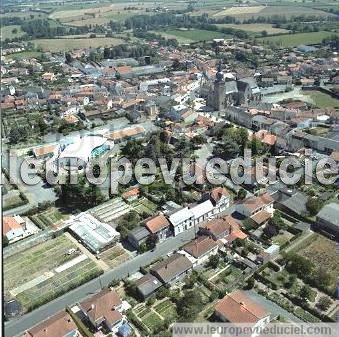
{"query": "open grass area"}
(24, 54)
(54, 45)
(192, 35)
(294, 40)
(254, 28)
(282, 238)
(25, 14)
(235, 11)
(10, 32)
(322, 100)
(32, 276)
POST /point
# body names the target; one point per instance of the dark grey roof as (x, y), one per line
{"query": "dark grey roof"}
(296, 203)
(148, 284)
(330, 213)
(139, 233)
(230, 87)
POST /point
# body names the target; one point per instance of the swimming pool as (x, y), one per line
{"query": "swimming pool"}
(100, 150)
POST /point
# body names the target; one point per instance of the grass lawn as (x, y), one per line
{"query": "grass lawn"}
(294, 40)
(282, 238)
(254, 27)
(31, 278)
(54, 45)
(24, 54)
(192, 35)
(322, 100)
(7, 32)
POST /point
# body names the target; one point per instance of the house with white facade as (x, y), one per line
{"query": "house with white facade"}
(255, 204)
(181, 220)
(202, 212)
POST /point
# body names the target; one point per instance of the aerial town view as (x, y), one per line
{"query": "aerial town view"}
(169, 165)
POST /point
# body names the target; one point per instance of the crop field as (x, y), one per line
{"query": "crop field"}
(322, 252)
(144, 206)
(192, 35)
(235, 11)
(115, 256)
(33, 277)
(26, 14)
(254, 28)
(154, 316)
(48, 218)
(7, 32)
(294, 40)
(103, 14)
(54, 45)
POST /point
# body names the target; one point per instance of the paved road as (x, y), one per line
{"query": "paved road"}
(20, 324)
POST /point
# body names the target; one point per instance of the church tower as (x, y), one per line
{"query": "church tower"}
(219, 89)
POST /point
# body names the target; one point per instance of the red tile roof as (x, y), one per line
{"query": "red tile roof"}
(9, 223)
(237, 307)
(200, 246)
(57, 326)
(157, 223)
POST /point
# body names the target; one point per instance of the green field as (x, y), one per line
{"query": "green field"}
(254, 28)
(54, 45)
(31, 278)
(24, 54)
(48, 218)
(294, 40)
(322, 100)
(189, 36)
(7, 32)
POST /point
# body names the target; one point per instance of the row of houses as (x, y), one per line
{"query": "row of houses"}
(101, 313)
(179, 219)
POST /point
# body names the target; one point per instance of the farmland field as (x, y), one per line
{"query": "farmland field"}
(293, 40)
(234, 11)
(188, 36)
(254, 28)
(115, 256)
(54, 45)
(7, 32)
(33, 276)
(322, 252)
(48, 218)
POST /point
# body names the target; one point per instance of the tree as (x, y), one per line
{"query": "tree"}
(162, 293)
(324, 303)
(313, 205)
(5, 241)
(241, 195)
(299, 265)
(257, 147)
(264, 33)
(190, 305)
(306, 292)
(213, 261)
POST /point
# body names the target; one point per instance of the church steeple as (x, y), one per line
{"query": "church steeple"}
(219, 77)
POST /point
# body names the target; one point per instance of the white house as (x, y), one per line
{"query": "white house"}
(202, 211)
(253, 205)
(220, 199)
(181, 220)
(13, 227)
